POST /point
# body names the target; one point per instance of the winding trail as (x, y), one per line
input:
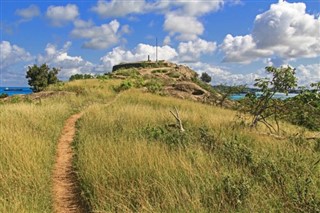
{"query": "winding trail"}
(66, 192)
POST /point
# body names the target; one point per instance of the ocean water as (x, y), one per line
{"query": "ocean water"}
(281, 96)
(15, 90)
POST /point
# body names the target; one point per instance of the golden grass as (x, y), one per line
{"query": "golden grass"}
(130, 159)
(122, 169)
(28, 141)
(29, 132)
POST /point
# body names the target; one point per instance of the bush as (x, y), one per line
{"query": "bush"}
(80, 77)
(154, 86)
(205, 77)
(3, 95)
(174, 74)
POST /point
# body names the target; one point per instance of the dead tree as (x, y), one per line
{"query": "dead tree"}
(177, 117)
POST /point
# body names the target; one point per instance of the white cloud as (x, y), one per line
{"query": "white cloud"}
(187, 27)
(100, 37)
(61, 59)
(12, 54)
(308, 73)
(12, 59)
(222, 76)
(167, 40)
(284, 31)
(117, 8)
(140, 53)
(192, 50)
(188, 8)
(60, 15)
(191, 8)
(177, 13)
(29, 12)
(242, 49)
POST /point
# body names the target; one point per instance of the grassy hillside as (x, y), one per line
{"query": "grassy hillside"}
(29, 130)
(130, 157)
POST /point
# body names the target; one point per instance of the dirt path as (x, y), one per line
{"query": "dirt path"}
(66, 192)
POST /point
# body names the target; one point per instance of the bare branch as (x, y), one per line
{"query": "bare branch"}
(177, 117)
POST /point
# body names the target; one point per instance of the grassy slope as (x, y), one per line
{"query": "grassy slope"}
(128, 158)
(28, 135)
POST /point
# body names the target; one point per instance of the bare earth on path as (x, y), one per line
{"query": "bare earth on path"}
(66, 192)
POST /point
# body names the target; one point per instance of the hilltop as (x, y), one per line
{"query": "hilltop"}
(172, 79)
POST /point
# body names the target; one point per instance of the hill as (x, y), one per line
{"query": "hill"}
(171, 79)
(131, 156)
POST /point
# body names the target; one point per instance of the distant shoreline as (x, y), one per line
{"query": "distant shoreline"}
(15, 90)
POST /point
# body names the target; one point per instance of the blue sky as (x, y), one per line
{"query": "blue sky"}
(232, 40)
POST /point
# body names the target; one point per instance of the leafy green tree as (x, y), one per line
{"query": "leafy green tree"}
(304, 109)
(265, 106)
(205, 77)
(40, 77)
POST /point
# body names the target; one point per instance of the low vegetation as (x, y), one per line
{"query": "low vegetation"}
(29, 132)
(133, 156)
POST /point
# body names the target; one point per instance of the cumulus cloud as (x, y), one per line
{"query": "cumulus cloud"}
(223, 76)
(192, 50)
(285, 31)
(176, 24)
(242, 49)
(117, 8)
(29, 12)
(189, 8)
(308, 73)
(12, 54)
(100, 37)
(140, 53)
(61, 15)
(12, 58)
(177, 13)
(60, 58)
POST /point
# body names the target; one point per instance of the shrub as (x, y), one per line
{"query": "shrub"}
(3, 95)
(174, 74)
(154, 86)
(205, 77)
(125, 85)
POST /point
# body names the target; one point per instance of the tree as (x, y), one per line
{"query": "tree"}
(265, 106)
(40, 77)
(80, 76)
(304, 108)
(205, 77)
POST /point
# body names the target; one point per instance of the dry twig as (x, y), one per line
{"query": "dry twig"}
(177, 117)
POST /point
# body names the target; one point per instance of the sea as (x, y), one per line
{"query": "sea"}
(281, 96)
(15, 90)
(27, 90)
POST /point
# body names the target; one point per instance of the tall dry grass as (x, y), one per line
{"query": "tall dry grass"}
(130, 159)
(29, 131)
